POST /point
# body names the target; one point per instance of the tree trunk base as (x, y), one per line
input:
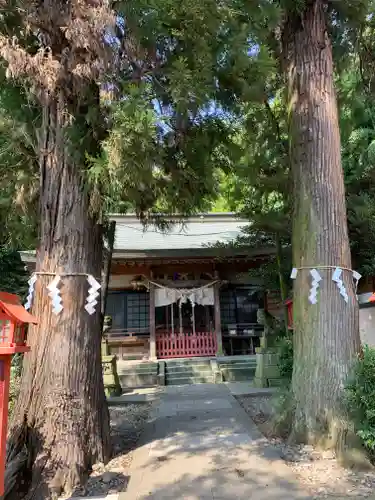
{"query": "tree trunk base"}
(38, 470)
(348, 447)
(331, 433)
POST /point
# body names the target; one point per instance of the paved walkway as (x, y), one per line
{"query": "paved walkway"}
(200, 444)
(150, 394)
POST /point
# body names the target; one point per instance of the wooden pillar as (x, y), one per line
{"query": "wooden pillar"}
(5, 362)
(152, 323)
(219, 340)
(208, 321)
(107, 270)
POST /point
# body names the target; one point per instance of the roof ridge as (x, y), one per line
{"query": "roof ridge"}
(201, 217)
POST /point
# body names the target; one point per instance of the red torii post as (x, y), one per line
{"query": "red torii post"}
(13, 321)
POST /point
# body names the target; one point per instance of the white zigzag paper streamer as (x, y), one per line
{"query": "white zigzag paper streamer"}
(91, 301)
(316, 279)
(356, 277)
(54, 294)
(29, 299)
(336, 277)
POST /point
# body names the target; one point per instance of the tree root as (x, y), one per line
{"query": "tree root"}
(332, 433)
(13, 471)
(348, 447)
(33, 472)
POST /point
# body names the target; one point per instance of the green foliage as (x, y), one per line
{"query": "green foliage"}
(259, 183)
(357, 113)
(360, 398)
(13, 276)
(285, 347)
(19, 191)
(174, 107)
(259, 187)
(268, 272)
(182, 72)
(283, 412)
(196, 107)
(15, 381)
(143, 160)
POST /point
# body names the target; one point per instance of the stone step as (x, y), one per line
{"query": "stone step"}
(113, 496)
(189, 380)
(236, 359)
(276, 382)
(194, 359)
(136, 373)
(237, 374)
(244, 366)
(132, 357)
(188, 372)
(177, 362)
(137, 368)
(147, 379)
(237, 365)
(249, 360)
(177, 368)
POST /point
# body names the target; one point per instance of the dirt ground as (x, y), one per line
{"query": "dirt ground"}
(318, 471)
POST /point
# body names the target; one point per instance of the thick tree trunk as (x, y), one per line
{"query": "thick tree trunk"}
(326, 335)
(61, 416)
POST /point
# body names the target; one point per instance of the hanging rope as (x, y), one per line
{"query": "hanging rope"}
(317, 279)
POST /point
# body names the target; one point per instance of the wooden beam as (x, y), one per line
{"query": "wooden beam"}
(219, 339)
(152, 323)
(107, 267)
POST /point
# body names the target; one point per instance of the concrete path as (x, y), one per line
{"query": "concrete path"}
(141, 395)
(200, 444)
(150, 394)
(246, 389)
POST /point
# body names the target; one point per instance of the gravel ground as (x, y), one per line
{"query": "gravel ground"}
(127, 423)
(317, 470)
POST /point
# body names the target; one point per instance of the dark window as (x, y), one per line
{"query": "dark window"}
(138, 310)
(248, 303)
(128, 309)
(228, 306)
(240, 305)
(116, 307)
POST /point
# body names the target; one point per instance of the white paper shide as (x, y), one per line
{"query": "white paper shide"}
(336, 277)
(315, 283)
(30, 295)
(93, 294)
(54, 294)
(356, 277)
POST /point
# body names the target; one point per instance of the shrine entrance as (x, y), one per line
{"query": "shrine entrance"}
(184, 322)
(167, 318)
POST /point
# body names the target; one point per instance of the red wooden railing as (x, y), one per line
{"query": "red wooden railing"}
(185, 345)
(289, 306)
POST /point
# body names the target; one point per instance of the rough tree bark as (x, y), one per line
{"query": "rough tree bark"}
(61, 417)
(326, 335)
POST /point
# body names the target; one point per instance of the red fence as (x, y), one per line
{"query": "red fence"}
(185, 345)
